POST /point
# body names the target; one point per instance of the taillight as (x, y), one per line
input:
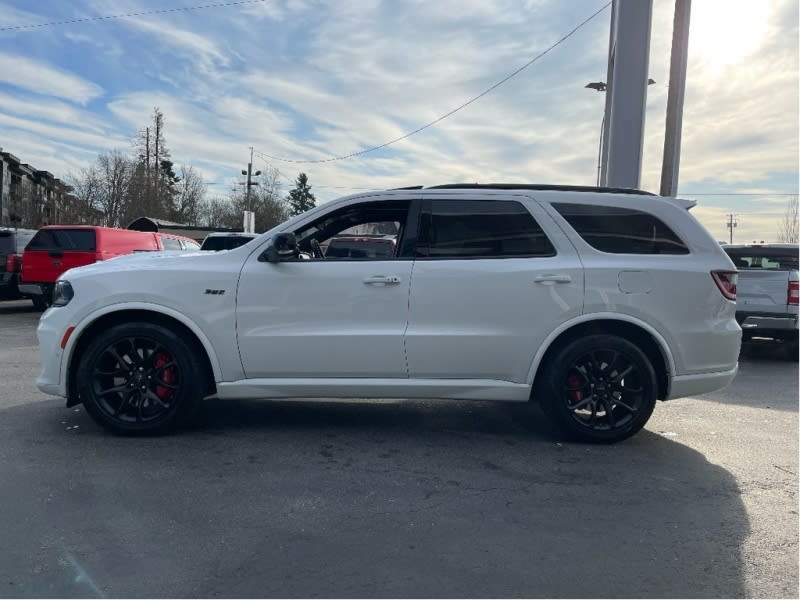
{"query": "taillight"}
(12, 263)
(726, 282)
(794, 292)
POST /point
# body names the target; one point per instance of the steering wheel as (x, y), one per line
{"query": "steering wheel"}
(316, 249)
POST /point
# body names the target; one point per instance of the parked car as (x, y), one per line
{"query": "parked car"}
(177, 243)
(768, 289)
(56, 248)
(12, 244)
(227, 240)
(592, 302)
(362, 246)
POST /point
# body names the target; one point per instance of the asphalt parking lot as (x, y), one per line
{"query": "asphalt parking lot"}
(399, 498)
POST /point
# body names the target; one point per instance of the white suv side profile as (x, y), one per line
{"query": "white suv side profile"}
(593, 302)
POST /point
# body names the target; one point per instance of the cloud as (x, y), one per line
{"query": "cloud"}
(40, 77)
(192, 45)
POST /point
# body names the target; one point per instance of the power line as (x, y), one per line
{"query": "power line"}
(452, 112)
(134, 14)
(740, 194)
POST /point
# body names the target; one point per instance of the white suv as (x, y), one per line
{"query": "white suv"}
(592, 302)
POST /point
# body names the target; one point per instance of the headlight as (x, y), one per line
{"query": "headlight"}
(62, 293)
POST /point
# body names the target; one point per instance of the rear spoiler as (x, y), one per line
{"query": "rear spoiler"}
(687, 204)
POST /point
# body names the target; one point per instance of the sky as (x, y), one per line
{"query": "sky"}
(307, 80)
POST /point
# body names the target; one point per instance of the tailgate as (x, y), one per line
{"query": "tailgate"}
(40, 266)
(53, 251)
(762, 290)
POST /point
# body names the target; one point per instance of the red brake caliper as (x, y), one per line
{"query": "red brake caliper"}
(167, 376)
(575, 395)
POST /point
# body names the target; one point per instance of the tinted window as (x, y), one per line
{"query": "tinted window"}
(621, 230)
(481, 229)
(764, 258)
(224, 242)
(360, 248)
(7, 242)
(64, 239)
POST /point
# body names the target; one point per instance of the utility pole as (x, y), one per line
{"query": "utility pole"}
(249, 221)
(732, 223)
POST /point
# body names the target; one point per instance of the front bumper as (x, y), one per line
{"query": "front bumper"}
(49, 333)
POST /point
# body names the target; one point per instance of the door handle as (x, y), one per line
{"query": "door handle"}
(551, 279)
(382, 280)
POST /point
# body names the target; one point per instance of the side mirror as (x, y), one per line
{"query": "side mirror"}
(282, 247)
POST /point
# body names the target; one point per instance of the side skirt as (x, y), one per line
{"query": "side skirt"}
(455, 389)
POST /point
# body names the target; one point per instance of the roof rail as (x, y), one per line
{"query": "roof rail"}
(537, 186)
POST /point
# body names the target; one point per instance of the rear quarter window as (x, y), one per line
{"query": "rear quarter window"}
(618, 230)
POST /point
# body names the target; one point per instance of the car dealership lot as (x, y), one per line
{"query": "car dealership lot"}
(401, 499)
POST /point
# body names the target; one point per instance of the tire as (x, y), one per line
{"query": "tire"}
(599, 388)
(40, 302)
(139, 379)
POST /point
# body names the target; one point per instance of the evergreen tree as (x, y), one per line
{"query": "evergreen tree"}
(300, 198)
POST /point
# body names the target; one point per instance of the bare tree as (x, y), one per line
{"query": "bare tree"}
(190, 192)
(115, 171)
(788, 230)
(215, 212)
(85, 197)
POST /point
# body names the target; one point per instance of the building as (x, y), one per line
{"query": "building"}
(30, 197)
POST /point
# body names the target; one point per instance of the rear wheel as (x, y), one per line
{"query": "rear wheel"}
(600, 388)
(139, 379)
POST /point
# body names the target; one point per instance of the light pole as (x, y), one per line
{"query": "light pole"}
(248, 220)
(601, 86)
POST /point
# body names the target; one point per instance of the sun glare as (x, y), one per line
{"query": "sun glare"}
(724, 32)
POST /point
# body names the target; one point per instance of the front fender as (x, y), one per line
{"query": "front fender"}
(92, 317)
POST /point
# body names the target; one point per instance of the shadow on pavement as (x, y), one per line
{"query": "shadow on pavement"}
(356, 499)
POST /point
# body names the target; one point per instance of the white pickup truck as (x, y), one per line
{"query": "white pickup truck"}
(767, 290)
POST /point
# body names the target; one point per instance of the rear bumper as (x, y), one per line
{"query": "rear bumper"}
(701, 383)
(755, 324)
(31, 289)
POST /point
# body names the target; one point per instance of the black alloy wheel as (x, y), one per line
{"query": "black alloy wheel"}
(139, 378)
(600, 388)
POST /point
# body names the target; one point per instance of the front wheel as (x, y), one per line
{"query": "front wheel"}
(139, 379)
(599, 388)
(41, 302)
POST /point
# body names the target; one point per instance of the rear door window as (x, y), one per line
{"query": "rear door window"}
(80, 240)
(621, 230)
(458, 229)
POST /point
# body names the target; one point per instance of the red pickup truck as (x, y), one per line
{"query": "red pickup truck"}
(56, 248)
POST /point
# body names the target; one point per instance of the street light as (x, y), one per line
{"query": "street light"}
(601, 86)
(248, 184)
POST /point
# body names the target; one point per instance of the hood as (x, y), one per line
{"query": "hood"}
(144, 261)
